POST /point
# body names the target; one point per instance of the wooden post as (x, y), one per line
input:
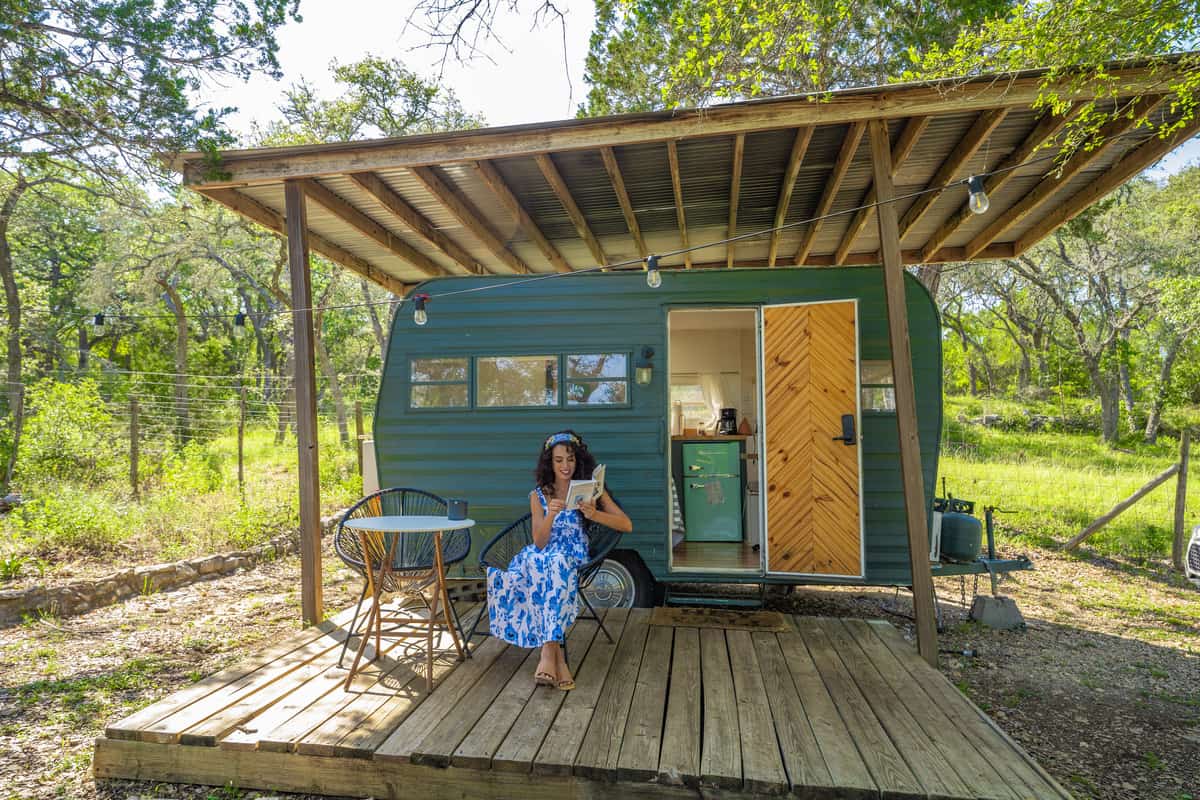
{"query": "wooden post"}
(305, 383)
(1121, 506)
(358, 433)
(1180, 543)
(133, 445)
(242, 441)
(906, 401)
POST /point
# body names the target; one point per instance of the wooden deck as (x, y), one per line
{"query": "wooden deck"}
(834, 708)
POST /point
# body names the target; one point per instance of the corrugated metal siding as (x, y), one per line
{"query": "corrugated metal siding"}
(487, 456)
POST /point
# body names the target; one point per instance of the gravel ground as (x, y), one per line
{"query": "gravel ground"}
(1102, 687)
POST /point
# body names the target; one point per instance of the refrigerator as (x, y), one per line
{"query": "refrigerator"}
(712, 491)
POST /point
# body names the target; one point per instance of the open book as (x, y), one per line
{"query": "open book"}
(583, 491)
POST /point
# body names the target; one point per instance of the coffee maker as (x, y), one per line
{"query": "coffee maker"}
(727, 424)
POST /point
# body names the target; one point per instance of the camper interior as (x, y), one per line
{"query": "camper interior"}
(713, 412)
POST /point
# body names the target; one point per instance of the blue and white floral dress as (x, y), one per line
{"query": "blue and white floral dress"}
(535, 600)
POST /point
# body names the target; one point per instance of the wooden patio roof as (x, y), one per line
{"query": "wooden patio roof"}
(575, 194)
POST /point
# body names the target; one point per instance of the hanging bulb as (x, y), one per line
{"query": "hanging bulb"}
(653, 276)
(98, 324)
(420, 316)
(977, 199)
(239, 325)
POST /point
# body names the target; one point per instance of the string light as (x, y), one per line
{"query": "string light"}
(98, 324)
(419, 315)
(653, 276)
(977, 199)
(239, 324)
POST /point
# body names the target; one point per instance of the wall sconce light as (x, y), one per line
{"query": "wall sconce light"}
(644, 371)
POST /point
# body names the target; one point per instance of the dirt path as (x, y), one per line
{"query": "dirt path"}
(1103, 688)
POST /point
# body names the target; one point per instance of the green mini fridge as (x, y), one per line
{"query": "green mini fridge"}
(712, 491)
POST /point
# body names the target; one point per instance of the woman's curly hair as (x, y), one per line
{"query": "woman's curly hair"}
(585, 462)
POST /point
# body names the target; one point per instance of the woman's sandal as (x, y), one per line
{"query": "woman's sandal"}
(566, 685)
(544, 679)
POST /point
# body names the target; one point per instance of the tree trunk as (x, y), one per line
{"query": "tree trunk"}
(1127, 394)
(373, 313)
(1154, 420)
(15, 391)
(931, 276)
(288, 405)
(84, 349)
(175, 303)
(335, 386)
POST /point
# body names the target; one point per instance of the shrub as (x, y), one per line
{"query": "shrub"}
(69, 436)
(73, 518)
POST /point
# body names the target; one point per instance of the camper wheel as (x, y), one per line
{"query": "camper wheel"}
(621, 582)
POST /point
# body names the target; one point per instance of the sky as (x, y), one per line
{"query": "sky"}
(525, 76)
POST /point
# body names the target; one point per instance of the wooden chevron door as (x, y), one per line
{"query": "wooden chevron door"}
(810, 381)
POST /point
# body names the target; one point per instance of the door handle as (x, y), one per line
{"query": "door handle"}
(694, 468)
(847, 431)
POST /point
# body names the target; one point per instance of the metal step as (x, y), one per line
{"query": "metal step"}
(678, 598)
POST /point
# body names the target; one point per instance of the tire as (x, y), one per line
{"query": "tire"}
(621, 582)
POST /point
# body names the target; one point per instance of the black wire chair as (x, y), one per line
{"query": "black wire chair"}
(505, 545)
(414, 552)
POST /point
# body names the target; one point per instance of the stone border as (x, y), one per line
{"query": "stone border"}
(81, 596)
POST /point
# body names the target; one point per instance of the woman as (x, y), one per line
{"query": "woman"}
(534, 601)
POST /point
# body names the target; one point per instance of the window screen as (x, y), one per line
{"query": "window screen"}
(514, 381)
(598, 379)
(438, 382)
(878, 387)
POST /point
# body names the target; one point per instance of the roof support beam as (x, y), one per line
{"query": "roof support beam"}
(906, 397)
(416, 221)
(832, 186)
(735, 189)
(677, 186)
(962, 153)
(1054, 181)
(1123, 170)
(795, 159)
(1046, 129)
(468, 216)
(495, 182)
(618, 183)
(370, 228)
(904, 145)
(251, 208)
(555, 179)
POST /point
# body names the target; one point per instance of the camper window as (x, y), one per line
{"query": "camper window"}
(438, 382)
(878, 389)
(598, 379)
(516, 381)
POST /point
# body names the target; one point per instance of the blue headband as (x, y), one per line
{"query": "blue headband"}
(561, 438)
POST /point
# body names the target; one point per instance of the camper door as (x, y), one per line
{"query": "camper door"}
(810, 441)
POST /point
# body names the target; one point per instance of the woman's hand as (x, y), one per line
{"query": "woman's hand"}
(588, 508)
(553, 507)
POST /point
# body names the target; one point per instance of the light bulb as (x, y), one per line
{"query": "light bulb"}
(98, 324)
(420, 317)
(977, 199)
(239, 325)
(653, 278)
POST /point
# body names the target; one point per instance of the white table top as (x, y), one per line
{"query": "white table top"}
(408, 524)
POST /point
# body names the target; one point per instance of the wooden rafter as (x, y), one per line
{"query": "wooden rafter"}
(832, 186)
(415, 220)
(618, 183)
(1046, 129)
(735, 188)
(951, 165)
(252, 209)
(468, 216)
(1123, 170)
(677, 187)
(1050, 184)
(904, 145)
(350, 215)
(563, 193)
(492, 178)
(795, 159)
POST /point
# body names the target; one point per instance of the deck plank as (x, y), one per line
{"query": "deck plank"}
(802, 757)
(525, 737)
(916, 746)
(642, 738)
(416, 726)
(249, 733)
(1022, 772)
(762, 763)
(679, 761)
(601, 744)
(556, 756)
(721, 751)
(974, 767)
(476, 748)
(133, 726)
(888, 768)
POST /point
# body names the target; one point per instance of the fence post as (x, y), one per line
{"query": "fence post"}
(241, 440)
(358, 434)
(1178, 544)
(133, 445)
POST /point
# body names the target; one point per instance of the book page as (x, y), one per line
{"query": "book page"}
(580, 492)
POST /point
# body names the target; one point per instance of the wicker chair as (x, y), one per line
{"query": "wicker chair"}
(510, 541)
(414, 552)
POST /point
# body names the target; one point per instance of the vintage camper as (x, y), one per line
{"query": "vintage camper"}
(796, 481)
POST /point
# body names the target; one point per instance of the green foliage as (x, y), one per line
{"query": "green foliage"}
(68, 433)
(11, 566)
(71, 518)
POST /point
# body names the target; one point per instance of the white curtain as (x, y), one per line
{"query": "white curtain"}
(714, 397)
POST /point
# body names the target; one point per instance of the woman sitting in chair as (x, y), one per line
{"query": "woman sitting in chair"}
(535, 600)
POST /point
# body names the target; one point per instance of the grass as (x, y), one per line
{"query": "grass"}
(1050, 485)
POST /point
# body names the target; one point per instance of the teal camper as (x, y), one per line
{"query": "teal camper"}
(745, 416)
